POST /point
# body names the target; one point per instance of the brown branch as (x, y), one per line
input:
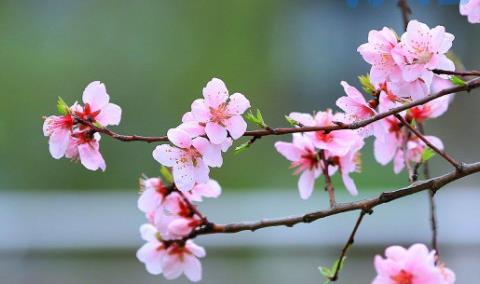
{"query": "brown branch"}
(433, 184)
(431, 201)
(447, 157)
(328, 180)
(469, 85)
(406, 12)
(348, 244)
(457, 73)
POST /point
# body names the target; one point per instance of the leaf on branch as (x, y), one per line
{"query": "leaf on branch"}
(457, 81)
(242, 147)
(291, 121)
(62, 107)
(328, 273)
(256, 119)
(367, 86)
(166, 174)
(413, 123)
(427, 154)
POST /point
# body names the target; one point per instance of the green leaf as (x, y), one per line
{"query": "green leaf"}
(291, 121)
(242, 147)
(62, 107)
(427, 154)
(165, 172)
(413, 122)
(457, 81)
(256, 119)
(367, 86)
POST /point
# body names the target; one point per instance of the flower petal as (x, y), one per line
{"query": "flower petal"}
(95, 94)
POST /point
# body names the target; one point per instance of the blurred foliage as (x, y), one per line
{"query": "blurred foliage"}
(155, 57)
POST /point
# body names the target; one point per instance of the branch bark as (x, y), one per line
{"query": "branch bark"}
(433, 184)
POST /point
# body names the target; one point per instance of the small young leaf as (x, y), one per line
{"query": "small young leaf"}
(366, 84)
(291, 121)
(457, 81)
(242, 147)
(325, 271)
(165, 172)
(260, 118)
(413, 122)
(256, 119)
(62, 107)
(427, 154)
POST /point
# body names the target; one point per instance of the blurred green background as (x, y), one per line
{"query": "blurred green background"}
(155, 57)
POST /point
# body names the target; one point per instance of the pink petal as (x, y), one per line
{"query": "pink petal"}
(306, 183)
(238, 104)
(349, 184)
(192, 268)
(200, 110)
(110, 115)
(179, 138)
(215, 93)
(152, 258)
(302, 118)
(201, 172)
(215, 132)
(172, 266)
(90, 156)
(149, 200)
(197, 250)
(167, 155)
(211, 189)
(184, 176)
(148, 233)
(59, 142)
(384, 150)
(236, 126)
(95, 94)
(289, 151)
(180, 227)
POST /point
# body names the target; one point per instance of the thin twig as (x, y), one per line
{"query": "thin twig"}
(447, 157)
(328, 180)
(458, 73)
(348, 244)
(431, 200)
(433, 184)
(406, 12)
(469, 85)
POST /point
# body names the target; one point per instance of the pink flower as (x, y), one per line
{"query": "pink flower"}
(220, 113)
(432, 109)
(336, 142)
(415, 265)
(210, 189)
(153, 252)
(85, 147)
(386, 147)
(97, 106)
(471, 9)
(154, 192)
(183, 259)
(304, 158)
(189, 158)
(59, 129)
(175, 218)
(357, 108)
(350, 163)
(421, 50)
(377, 52)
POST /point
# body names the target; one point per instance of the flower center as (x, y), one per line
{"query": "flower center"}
(403, 278)
(219, 114)
(322, 136)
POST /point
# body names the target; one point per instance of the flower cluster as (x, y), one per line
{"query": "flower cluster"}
(316, 153)
(471, 9)
(198, 142)
(74, 140)
(401, 72)
(415, 265)
(172, 218)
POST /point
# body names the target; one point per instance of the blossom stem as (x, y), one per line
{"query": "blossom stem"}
(406, 12)
(348, 244)
(447, 157)
(328, 180)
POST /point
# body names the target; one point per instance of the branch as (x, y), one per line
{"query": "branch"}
(406, 12)
(349, 243)
(458, 73)
(433, 184)
(469, 85)
(328, 180)
(447, 157)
